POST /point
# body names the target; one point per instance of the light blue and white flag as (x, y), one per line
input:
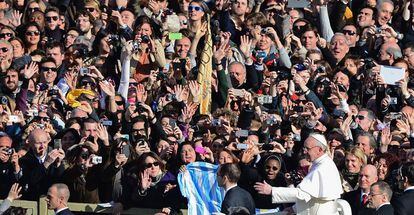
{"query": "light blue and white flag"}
(199, 185)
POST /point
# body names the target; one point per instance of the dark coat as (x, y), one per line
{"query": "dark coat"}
(237, 197)
(36, 179)
(404, 204)
(7, 178)
(354, 200)
(65, 212)
(385, 210)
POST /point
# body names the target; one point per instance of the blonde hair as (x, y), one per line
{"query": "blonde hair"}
(357, 152)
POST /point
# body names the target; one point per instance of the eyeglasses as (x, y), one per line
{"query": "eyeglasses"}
(32, 33)
(149, 165)
(196, 8)
(46, 69)
(349, 32)
(308, 148)
(4, 35)
(4, 49)
(374, 194)
(274, 168)
(90, 9)
(50, 18)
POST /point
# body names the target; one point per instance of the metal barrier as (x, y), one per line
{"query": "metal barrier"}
(31, 206)
(40, 207)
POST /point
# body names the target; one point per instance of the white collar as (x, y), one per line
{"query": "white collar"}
(409, 188)
(229, 188)
(61, 210)
(386, 203)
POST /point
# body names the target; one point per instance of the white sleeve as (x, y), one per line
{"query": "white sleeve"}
(327, 32)
(124, 82)
(288, 195)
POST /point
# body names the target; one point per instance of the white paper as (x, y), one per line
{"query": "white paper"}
(392, 75)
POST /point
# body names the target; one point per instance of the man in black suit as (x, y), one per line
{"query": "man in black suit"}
(57, 199)
(404, 204)
(227, 177)
(358, 199)
(380, 196)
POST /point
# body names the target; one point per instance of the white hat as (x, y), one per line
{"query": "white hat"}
(320, 138)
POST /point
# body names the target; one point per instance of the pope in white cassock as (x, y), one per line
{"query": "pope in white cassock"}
(317, 192)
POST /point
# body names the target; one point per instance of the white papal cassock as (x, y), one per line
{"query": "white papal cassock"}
(317, 192)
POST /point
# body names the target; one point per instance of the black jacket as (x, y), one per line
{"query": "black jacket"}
(237, 197)
(385, 210)
(36, 179)
(7, 179)
(404, 204)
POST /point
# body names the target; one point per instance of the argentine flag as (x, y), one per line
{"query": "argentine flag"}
(199, 185)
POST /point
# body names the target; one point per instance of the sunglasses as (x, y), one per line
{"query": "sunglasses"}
(349, 32)
(84, 155)
(360, 117)
(149, 165)
(119, 103)
(45, 69)
(50, 18)
(274, 168)
(34, 9)
(218, 146)
(4, 35)
(196, 8)
(90, 9)
(4, 49)
(133, 84)
(32, 33)
(91, 83)
(45, 119)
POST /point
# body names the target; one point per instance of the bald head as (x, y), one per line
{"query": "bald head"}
(39, 140)
(367, 177)
(62, 191)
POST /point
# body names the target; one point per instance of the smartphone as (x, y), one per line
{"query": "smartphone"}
(242, 133)
(393, 100)
(175, 36)
(125, 150)
(57, 144)
(238, 93)
(298, 109)
(172, 123)
(106, 122)
(200, 150)
(242, 146)
(125, 136)
(267, 147)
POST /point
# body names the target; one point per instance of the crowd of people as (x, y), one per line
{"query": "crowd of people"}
(113, 98)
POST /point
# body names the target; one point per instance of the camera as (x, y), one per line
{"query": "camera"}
(145, 39)
(8, 151)
(113, 38)
(320, 69)
(171, 97)
(271, 120)
(135, 46)
(216, 122)
(265, 99)
(369, 63)
(393, 100)
(140, 108)
(4, 100)
(84, 71)
(54, 91)
(96, 160)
